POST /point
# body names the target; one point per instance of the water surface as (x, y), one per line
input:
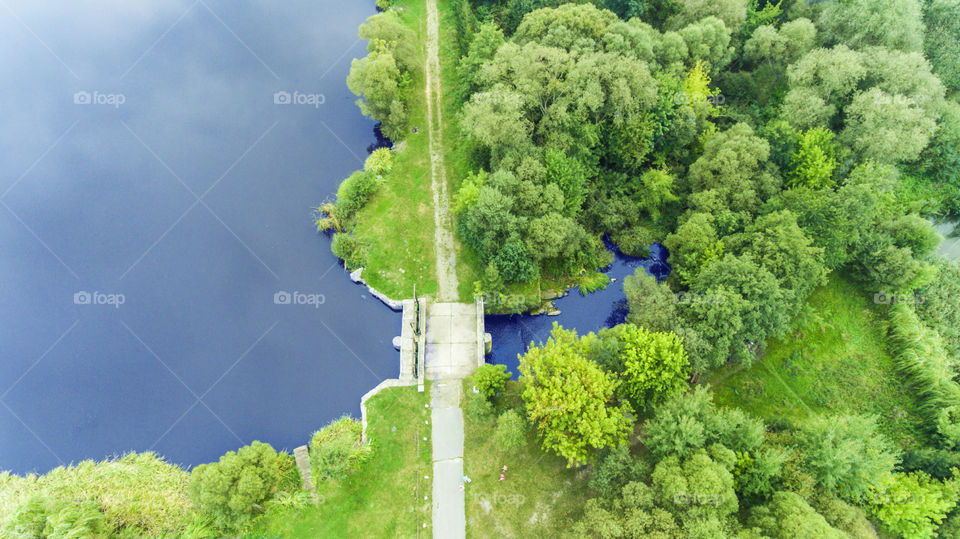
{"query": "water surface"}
(190, 199)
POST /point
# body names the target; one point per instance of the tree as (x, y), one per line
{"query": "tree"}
(938, 306)
(385, 32)
(686, 423)
(698, 486)
(633, 513)
(570, 399)
(911, 505)
(656, 365)
(814, 161)
(733, 13)
(511, 431)
(887, 128)
(694, 244)
(376, 79)
(652, 305)
(895, 24)
(491, 379)
(615, 469)
(941, 46)
(51, 518)
(234, 489)
(788, 515)
(656, 192)
(846, 454)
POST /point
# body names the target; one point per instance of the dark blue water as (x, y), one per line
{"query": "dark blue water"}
(512, 334)
(198, 359)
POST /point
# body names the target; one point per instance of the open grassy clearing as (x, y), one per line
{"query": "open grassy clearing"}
(833, 360)
(385, 497)
(396, 226)
(539, 498)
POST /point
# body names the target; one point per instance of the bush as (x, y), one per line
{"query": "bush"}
(233, 489)
(379, 162)
(336, 450)
(139, 494)
(478, 408)
(491, 379)
(345, 246)
(354, 192)
(511, 431)
(635, 241)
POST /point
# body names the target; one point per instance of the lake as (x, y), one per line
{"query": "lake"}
(160, 162)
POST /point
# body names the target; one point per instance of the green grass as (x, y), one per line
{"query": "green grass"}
(396, 226)
(834, 359)
(539, 498)
(385, 497)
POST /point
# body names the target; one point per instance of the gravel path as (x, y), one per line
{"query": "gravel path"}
(443, 240)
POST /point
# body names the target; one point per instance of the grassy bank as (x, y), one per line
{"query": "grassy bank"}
(539, 498)
(385, 497)
(396, 226)
(833, 360)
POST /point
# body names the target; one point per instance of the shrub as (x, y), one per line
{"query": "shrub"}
(336, 450)
(478, 408)
(379, 162)
(233, 489)
(491, 379)
(345, 246)
(635, 241)
(511, 431)
(354, 192)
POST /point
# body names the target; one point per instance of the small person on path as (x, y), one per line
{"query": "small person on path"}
(467, 479)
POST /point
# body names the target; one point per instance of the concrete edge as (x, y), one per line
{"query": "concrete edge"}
(388, 383)
(395, 305)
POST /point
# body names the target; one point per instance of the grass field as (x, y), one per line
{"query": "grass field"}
(397, 225)
(539, 498)
(385, 497)
(833, 360)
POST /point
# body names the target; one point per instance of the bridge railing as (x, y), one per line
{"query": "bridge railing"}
(480, 344)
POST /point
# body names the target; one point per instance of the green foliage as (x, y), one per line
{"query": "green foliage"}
(234, 489)
(652, 305)
(788, 515)
(657, 191)
(912, 505)
(569, 399)
(895, 24)
(939, 308)
(511, 431)
(469, 192)
(733, 13)
(379, 162)
(616, 468)
(354, 192)
(570, 176)
(813, 163)
(846, 454)
(756, 475)
(491, 379)
(134, 495)
(698, 486)
(694, 244)
(344, 245)
(336, 450)
(686, 423)
(634, 511)
(656, 366)
(385, 33)
(941, 46)
(377, 80)
(634, 241)
(478, 408)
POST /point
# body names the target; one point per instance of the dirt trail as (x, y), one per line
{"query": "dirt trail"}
(443, 237)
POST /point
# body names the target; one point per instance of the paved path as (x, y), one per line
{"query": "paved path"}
(449, 519)
(443, 236)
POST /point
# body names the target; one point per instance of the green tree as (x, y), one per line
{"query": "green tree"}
(511, 431)
(385, 32)
(941, 46)
(616, 468)
(633, 513)
(698, 486)
(652, 305)
(656, 365)
(376, 79)
(694, 244)
(51, 518)
(733, 13)
(336, 450)
(491, 379)
(657, 191)
(814, 161)
(233, 490)
(912, 505)
(570, 399)
(846, 454)
(788, 515)
(895, 24)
